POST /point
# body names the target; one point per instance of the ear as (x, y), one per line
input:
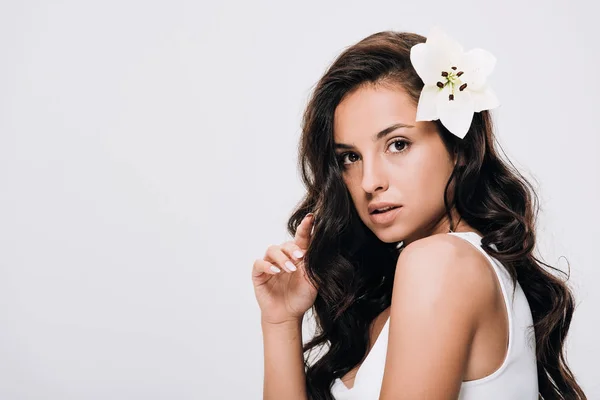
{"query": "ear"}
(455, 158)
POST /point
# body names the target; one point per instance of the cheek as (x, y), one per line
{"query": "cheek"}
(352, 181)
(426, 180)
(351, 186)
(357, 195)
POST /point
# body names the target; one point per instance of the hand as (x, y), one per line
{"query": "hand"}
(286, 295)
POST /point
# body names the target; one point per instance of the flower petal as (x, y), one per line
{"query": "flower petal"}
(427, 107)
(448, 50)
(437, 54)
(477, 65)
(456, 115)
(427, 63)
(484, 99)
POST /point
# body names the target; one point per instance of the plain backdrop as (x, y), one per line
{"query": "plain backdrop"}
(148, 157)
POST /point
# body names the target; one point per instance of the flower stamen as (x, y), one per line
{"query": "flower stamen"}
(449, 98)
(452, 79)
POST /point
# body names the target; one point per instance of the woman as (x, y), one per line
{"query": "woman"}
(414, 244)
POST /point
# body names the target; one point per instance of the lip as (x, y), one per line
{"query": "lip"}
(376, 206)
(385, 217)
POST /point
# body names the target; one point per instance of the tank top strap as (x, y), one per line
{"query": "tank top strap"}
(503, 275)
(504, 279)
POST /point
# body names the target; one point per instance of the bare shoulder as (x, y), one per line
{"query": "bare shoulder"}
(442, 289)
(447, 268)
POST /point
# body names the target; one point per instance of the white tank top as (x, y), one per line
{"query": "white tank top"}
(515, 379)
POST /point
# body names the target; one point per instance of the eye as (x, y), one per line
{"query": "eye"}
(342, 157)
(399, 145)
(395, 145)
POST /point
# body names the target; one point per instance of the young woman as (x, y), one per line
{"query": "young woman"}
(414, 243)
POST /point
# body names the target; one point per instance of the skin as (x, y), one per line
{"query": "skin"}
(446, 298)
(284, 295)
(412, 173)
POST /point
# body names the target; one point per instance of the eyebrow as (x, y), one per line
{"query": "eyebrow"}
(378, 136)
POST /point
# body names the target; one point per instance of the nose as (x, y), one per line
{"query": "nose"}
(374, 176)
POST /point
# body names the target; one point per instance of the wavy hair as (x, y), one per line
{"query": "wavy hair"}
(354, 270)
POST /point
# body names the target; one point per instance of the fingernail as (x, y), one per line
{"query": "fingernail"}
(309, 215)
(298, 253)
(290, 265)
(275, 269)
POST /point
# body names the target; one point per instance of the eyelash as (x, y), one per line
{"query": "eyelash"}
(343, 155)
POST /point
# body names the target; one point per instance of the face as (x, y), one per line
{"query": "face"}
(406, 165)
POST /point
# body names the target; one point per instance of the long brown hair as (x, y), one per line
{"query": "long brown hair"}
(354, 270)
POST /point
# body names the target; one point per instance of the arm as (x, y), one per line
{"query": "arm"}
(284, 363)
(437, 301)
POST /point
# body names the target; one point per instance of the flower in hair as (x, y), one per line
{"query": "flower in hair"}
(455, 82)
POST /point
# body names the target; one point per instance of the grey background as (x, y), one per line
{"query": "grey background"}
(148, 156)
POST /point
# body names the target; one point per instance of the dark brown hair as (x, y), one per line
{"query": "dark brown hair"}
(354, 270)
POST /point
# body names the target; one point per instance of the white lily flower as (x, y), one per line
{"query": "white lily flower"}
(455, 82)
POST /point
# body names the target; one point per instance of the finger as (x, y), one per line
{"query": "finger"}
(276, 256)
(293, 251)
(261, 267)
(302, 236)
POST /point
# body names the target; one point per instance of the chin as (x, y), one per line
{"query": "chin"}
(391, 234)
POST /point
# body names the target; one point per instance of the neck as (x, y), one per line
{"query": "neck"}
(443, 226)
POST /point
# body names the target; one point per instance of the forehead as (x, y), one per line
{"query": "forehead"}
(370, 108)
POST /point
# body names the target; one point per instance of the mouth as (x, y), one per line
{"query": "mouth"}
(385, 216)
(384, 210)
